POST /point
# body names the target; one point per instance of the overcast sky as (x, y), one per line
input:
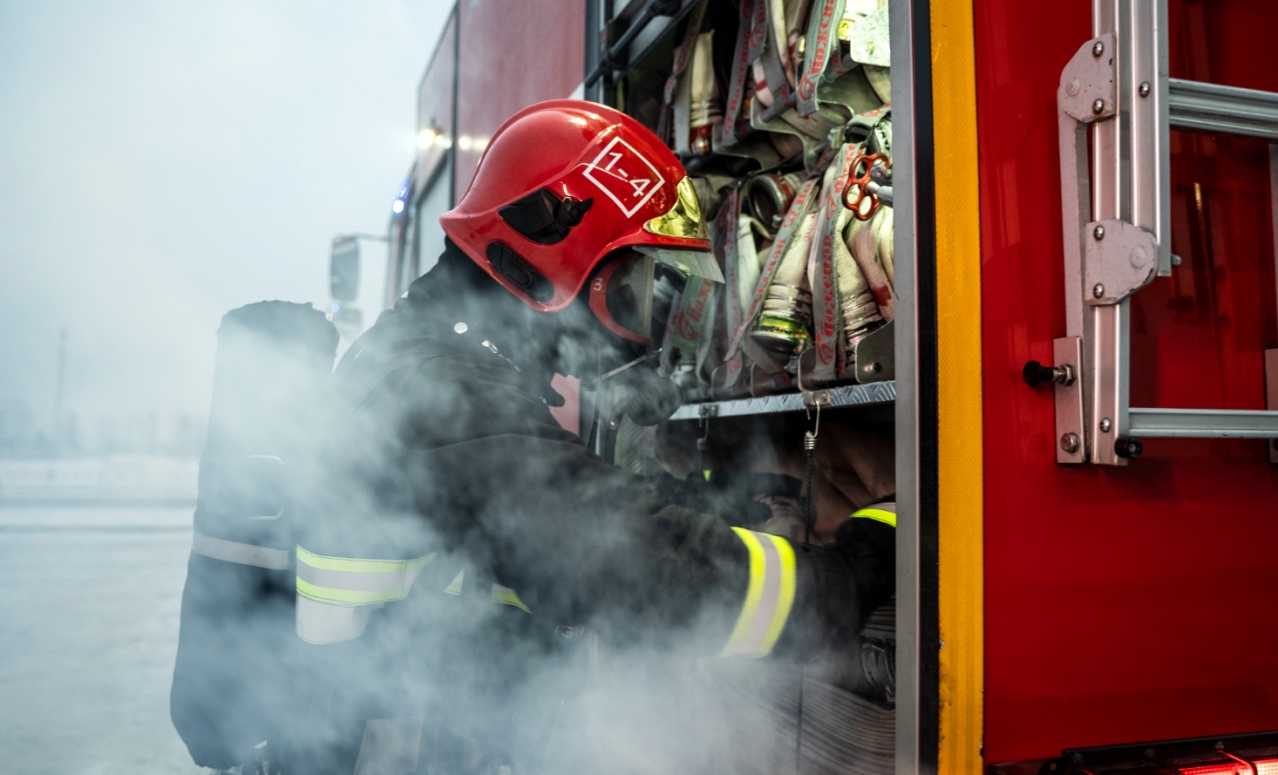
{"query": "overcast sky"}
(163, 162)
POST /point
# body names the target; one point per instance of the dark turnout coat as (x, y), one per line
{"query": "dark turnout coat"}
(510, 536)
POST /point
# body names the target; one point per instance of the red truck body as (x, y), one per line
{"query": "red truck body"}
(1126, 604)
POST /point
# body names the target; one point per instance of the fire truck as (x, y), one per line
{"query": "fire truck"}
(1049, 230)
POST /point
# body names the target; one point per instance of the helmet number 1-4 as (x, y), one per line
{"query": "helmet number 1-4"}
(625, 176)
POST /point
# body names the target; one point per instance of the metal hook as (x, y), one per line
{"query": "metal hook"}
(704, 422)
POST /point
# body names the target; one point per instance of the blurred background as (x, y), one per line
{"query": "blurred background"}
(160, 164)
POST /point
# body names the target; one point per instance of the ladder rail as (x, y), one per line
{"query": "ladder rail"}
(1202, 423)
(1117, 217)
(1229, 110)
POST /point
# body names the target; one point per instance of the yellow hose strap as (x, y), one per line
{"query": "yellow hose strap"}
(879, 512)
(769, 596)
(356, 581)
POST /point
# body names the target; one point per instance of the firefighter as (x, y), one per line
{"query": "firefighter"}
(458, 533)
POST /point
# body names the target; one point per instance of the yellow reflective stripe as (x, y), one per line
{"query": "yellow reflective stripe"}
(455, 586)
(346, 596)
(356, 565)
(753, 592)
(355, 581)
(507, 596)
(769, 596)
(878, 515)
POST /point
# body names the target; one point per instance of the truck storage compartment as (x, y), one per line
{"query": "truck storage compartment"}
(781, 114)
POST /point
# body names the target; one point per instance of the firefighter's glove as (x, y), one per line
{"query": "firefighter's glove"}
(733, 505)
(645, 396)
(838, 586)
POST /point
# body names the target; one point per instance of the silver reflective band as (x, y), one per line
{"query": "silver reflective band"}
(324, 623)
(769, 596)
(242, 554)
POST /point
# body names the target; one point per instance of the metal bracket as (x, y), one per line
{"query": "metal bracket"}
(1071, 441)
(875, 355)
(817, 398)
(1089, 89)
(1119, 259)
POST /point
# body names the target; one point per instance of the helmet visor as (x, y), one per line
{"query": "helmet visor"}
(621, 297)
(695, 263)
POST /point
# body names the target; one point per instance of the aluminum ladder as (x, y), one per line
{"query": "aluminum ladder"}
(1117, 227)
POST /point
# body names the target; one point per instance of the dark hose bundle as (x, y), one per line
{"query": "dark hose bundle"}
(230, 683)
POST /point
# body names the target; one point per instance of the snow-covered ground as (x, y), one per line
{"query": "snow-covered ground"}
(89, 601)
(102, 479)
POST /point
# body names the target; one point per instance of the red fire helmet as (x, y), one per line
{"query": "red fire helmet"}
(562, 185)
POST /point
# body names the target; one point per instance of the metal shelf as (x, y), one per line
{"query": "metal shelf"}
(847, 395)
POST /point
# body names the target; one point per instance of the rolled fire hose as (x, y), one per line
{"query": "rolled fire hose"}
(749, 259)
(863, 240)
(860, 312)
(704, 111)
(768, 197)
(765, 199)
(785, 321)
(883, 238)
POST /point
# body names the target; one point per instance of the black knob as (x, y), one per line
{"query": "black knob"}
(1128, 447)
(1036, 373)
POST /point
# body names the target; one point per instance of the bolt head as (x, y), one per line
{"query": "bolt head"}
(873, 367)
(1098, 290)
(1073, 87)
(1105, 425)
(1144, 89)
(1098, 48)
(1175, 260)
(1098, 232)
(1069, 443)
(460, 328)
(1098, 107)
